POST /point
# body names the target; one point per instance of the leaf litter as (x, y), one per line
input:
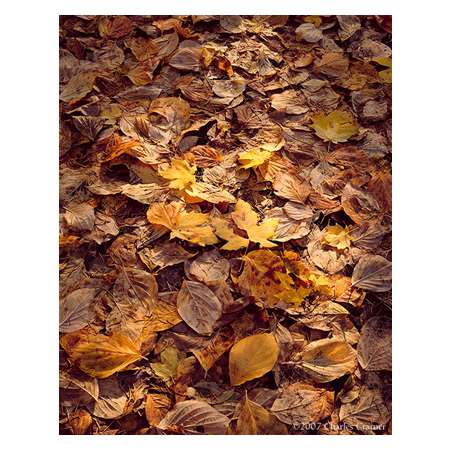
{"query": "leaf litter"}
(225, 225)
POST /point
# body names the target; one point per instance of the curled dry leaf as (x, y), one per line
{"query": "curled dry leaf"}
(301, 404)
(373, 273)
(375, 344)
(89, 126)
(327, 359)
(99, 355)
(192, 416)
(198, 307)
(252, 357)
(76, 310)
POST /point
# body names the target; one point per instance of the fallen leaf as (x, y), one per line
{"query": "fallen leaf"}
(164, 255)
(156, 407)
(163, 316)
(338, 126)
(373, 273)
(375, 344)
(301, 404)
(252, 357)
(181, 174)
(112, 400)
(254, 419)
(246, 219)
(167, 368)
(191, 226)
(77, 310)
(99, 355)
(192, 416)
(337, 236)
(198, 307)
(327, 359)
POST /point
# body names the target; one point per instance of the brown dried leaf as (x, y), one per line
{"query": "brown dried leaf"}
(198, 307)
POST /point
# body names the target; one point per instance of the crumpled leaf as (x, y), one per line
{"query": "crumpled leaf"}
(338, 126)
(252, 357)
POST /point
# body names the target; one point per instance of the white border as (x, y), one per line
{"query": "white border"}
(29, 75)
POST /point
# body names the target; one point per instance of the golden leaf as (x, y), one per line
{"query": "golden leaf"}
(181, 174)
(193, 227)
(338, 126)
(254, 158)
(254, 419)
(99, 355)
(337, 236)
(224, 230)
(190, 226)
(252, 357)
(246, 219)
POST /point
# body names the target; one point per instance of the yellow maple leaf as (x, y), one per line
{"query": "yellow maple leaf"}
(320, 283)
(247, 219)
(336, 236)
(293, 295)
(181, 174)
(191, 226)
(338, 126)
(224, 231)
(254, 158)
